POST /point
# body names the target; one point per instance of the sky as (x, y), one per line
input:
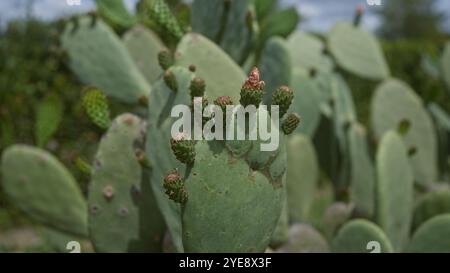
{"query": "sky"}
(320, 14)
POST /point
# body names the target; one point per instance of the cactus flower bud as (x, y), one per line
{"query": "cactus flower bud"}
(222, 102)
(96, 106)
(252, 90)
(283, 97)
(197, 87)
(174, 186)
(183, 149)
(290, 123)
(170, 80)
(165, 59)
(358, 15)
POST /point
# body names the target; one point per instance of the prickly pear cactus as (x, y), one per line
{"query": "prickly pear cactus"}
(230, 24)
(304, 238)
(158, 149)
(229, 205)
(112, 70)
(357, 51)
(37, 183)
(362, 173)
(302, 177)
(394, 102)
(335, 216)
(357, 235)
(306, 103)
(275, 66)
(280, 234)
(144, 46)
(96, 106)
(394, 189)
(123, 215)
(306, 52)
(115, 12)
(211, 64)
(433, 203)
(432, 236)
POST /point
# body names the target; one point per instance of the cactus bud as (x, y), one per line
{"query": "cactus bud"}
(142, 159)
(192, 68)
(165, 59)
(170, 80)
(83, 166)
(183, 149)
(174, 186)
(96, 106)
(283, 97)
(252, 90)
(290, 123)
(222, 102)
(93, 16)
(358, 15)
(403, 127)
(197, 87)
(143, 101)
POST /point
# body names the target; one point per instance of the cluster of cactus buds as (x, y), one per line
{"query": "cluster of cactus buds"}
(252, 90)
(183, 149)
(174, 186)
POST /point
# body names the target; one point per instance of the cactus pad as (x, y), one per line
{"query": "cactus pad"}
(356, 235)
(112, 70)
(357, 51)
(123, 215)
(42, 187)
(394, 102)
(394, 189)
(144, 46)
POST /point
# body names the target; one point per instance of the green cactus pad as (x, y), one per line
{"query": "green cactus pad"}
(231, 24)
(304, 239)
(144, 46)
(302, 177)
(207, 18)
(99, 58)
(433, 203)
(335, 216)
(158, 149)
(432, 236)
(394, 102)
(357, 51)
(354, 237)
(446, 64)
(115, 12)
(394, 189)
(241, 213)
(307, 53)
(280, 234)
(123, 215)
(441, 117)
(279, 24)
(37, 183)
(222, 75)
(49, 113)
(275, 67)
(362, 173)
(306, 103)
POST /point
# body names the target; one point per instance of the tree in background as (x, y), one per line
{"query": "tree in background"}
(411, 19)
